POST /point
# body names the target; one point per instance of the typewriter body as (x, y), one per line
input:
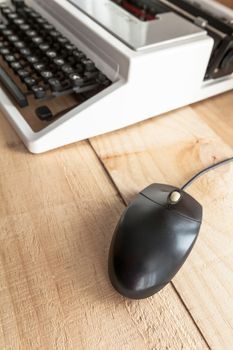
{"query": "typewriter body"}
(135, 60)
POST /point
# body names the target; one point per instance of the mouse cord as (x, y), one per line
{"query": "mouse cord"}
(204, 171)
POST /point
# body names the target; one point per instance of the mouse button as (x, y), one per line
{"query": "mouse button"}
(188, 207)
(158, 193)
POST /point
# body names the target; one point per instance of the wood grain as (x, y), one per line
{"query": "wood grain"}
(57, 215)
(170, 149)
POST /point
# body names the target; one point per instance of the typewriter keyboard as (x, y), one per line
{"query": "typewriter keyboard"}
(43, 73)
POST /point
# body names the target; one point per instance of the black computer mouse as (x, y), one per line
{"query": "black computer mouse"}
(152, 240)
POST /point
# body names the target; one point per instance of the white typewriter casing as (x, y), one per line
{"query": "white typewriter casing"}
(152, 78)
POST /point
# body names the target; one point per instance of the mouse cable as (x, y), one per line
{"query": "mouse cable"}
(206, 170)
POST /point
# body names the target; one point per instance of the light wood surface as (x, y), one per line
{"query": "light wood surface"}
(57, 215)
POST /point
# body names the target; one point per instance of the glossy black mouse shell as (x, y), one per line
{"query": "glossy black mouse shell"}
(152, 241)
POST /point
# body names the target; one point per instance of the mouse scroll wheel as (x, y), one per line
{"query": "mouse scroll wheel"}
(174, 197)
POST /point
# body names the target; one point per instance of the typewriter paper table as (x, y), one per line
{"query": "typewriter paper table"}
(57, 214)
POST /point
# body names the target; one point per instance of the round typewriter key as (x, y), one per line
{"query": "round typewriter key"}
(38, 91)
(48, 26)
(16, 66)
(6, 10)
(51, 54)
(55, 84)
(78, 54)
(34, 14)
(12, 16)
(39, 66)
(88, 64)
(41, 21)
(54, 34)
(29, 81)
(9, 58)
(13, 38)
(31, 33)
(67, 69)
(24, 27)
(4, 51)
(23, 73)
(44, 47)
(59, 61)
(19, 44)
(25, 52)
(7, 32)
(19, 22)
(62, 40)
(32, 59)
(69, 47)
(46, 74)
(2, 27)
(76, 79)
(37, 40)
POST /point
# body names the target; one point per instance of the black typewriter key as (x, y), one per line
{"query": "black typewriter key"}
(44, 113)
(16, 66)
(19, 44)
(67, 69)
(46, 74)
(24, 27)
(7, 32)
(48, 27)
(35, 15)
(29, 81)
(9, 58)
(19, 22)
(13, 38)
(4, 51)
(69, 47)
(39, 66)
(25, 52)
(38, 91)
(88, 64)
(12, 16)
(6, 10)
(62, 40)
(22, 73)
(55, 85)
(2, 27)
(37, 40)
(44, 47)
(54, 34)
(32, 59)
(31, 33)
(58, 61)
(78, 55)
(51, 54)
(41, 21)
(76, 79)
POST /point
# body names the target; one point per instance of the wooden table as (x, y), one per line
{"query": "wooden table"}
(57, 215)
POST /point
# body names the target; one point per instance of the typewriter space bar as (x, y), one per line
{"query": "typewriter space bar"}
(13, 89)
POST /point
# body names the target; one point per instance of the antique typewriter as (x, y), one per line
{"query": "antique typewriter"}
(73, 69)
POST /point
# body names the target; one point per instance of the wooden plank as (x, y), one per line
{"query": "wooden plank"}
(57, 215)
(170, 149)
